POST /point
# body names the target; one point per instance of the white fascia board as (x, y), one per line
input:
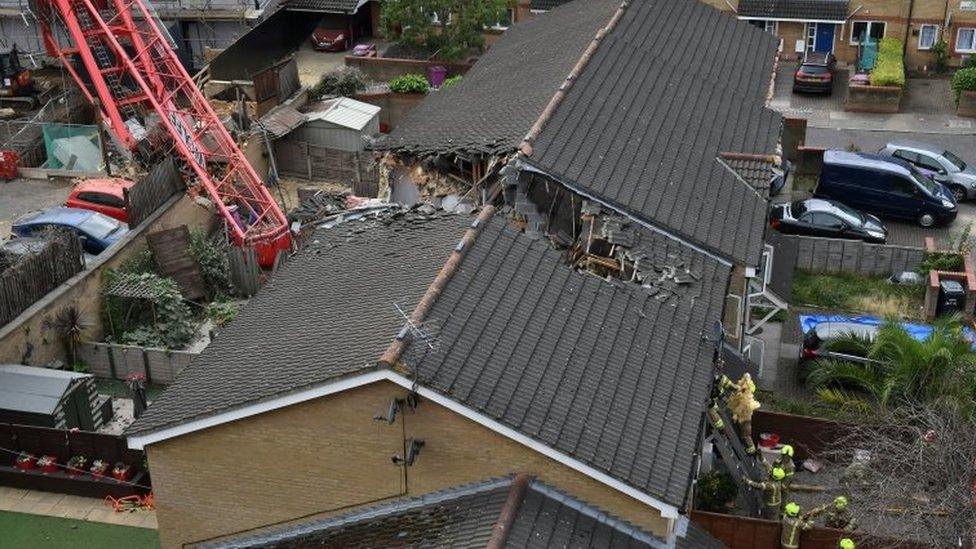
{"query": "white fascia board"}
(790, 20)
(139, 442)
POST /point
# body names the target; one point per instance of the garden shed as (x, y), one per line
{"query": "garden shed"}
(51, 398)
(342, 123)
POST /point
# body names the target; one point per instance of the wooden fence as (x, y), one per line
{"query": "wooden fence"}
(30, 277)
(809, 436)
(63, 445)
(245, 273)
(356, 169)
(749, 533)
(119, 361)
(830, 255)
(153, 190)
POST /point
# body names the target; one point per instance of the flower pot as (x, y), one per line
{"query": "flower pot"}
(122, 474)
(26, 464)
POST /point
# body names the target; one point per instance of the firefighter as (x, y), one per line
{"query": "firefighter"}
(791, 526)
(772, 492)
(743, 403)
(840, 516)
(720, 389)
(785, 462)
(846, 543)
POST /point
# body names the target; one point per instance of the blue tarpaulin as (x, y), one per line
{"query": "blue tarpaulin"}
(920, 332)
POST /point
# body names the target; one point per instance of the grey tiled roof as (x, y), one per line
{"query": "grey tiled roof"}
(642, 125)
(545, 5)
(326, 6)
(499, 99)
(464, 517)
(803, 10)
(602, 371)
(328, 312)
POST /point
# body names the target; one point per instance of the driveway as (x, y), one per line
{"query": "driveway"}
(804, 104)
(313, 64)
(20, 196)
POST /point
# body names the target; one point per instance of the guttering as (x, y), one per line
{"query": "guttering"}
(791, 20)
(667, 510)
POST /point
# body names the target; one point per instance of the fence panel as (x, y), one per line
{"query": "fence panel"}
(828, 255)
(170, 248)
(30, 277)
(113, 361)
(147, 195)
(358, 169)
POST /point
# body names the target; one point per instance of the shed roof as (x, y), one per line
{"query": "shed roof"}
(466, 516)
(34, 390)
(797, 10)
(325, 6)
(344, 112)
(281, 120)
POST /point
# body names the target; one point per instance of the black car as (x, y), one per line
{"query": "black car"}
(827, 218)
(815, 74)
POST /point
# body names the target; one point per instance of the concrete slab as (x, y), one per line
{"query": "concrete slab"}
(74, 507)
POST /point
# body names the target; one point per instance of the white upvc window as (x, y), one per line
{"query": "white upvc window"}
(772, 27)
(872, 29)
(966, 40)
(928, 35)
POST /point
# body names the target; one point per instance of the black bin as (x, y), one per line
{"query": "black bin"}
(952, 298)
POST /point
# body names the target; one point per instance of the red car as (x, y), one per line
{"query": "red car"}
(330, 40)
(106, 196)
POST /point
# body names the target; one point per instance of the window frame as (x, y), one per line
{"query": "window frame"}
(854, 41)
(972, 43)
(921, 33)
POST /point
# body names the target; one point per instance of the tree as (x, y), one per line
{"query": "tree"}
(902, 370)
(919, 482)
(458, 27)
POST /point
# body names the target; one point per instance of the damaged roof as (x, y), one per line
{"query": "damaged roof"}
(466, 516)
(799, 10)
(498, 100)
(614, 374)
(642, 125)
(329, 311)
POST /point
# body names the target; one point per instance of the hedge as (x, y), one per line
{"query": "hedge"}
(890, 69)
(409, 83)
(963, 80)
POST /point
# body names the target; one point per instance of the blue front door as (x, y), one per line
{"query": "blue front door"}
(825, 38)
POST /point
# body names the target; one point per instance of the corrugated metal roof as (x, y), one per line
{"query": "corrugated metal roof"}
(281, 120)
(345, 112)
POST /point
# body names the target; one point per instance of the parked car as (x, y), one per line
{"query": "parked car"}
(827, 218)
(815, 73)
(937, 162)
(96, 231)
(884, 186)
(364, 50)
(817, 341)
(330, 40)
(105, 196)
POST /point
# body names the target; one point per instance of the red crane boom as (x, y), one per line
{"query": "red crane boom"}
(125, 65)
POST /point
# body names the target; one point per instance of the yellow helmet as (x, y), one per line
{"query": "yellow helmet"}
(778, 473)
(786, 450)
(792, 509)
(840, 502)
(847, 543)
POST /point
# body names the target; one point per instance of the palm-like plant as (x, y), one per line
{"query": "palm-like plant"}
(901, 369)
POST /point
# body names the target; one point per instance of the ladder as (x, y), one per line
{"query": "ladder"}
(129, 70)
(740, 464)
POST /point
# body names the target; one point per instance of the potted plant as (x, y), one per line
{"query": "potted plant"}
(48, 464)
(121, 471)
(99, 468)
(25, 461)
(77, 464)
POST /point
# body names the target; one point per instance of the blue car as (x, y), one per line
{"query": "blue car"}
(96, 231)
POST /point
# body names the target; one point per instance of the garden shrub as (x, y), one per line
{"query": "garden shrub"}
(716, 490)
(963, 80)
(890, 69)
(167, 323)
(409, 83)
(212, 259)
(341, 82)
(452, 81)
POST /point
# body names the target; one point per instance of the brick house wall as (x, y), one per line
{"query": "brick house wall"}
(329, 455)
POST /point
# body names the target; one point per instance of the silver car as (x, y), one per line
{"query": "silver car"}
(940, 164)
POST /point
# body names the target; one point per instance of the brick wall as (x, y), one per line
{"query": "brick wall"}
(329, 456)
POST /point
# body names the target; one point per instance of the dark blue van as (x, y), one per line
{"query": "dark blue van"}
(884, 186)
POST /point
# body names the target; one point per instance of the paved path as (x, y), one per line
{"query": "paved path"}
(74, 507)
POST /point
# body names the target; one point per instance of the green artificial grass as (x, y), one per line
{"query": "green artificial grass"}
(19, 530)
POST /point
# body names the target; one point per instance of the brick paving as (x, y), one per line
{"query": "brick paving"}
(73, 507)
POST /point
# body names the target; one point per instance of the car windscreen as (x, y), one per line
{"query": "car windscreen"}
(814, 69)
(848, 214)
(925, 181)
(956, 161)
(99, 226)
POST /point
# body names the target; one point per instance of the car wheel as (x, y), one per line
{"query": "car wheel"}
(958, 192)
(926, 220)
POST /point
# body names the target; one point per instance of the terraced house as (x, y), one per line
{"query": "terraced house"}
(838, 25)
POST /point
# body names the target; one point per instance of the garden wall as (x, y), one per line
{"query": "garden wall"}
(119, 361)
(394, 107)
(385, 68)
(967, 104)
(830, 255)
(880, 99)
(24, 341)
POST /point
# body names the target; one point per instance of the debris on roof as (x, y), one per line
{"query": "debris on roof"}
(281, 120)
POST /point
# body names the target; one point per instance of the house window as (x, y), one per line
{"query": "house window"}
(873, 29)
(927, 36)
(966, 41)
(769, 26)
